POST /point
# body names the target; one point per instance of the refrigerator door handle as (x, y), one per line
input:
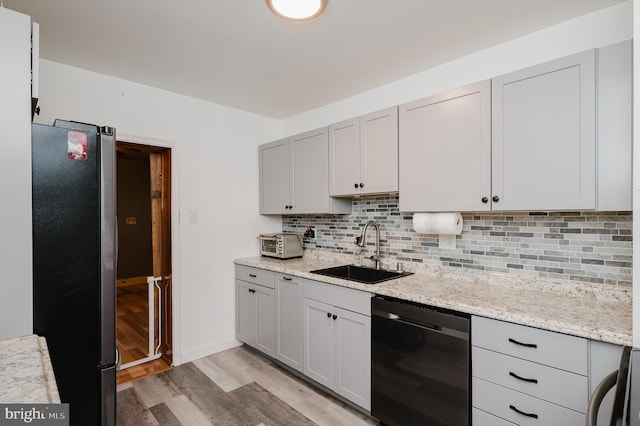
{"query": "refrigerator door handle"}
(108, 274)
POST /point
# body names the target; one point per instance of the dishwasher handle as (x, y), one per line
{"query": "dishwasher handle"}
(435, 328)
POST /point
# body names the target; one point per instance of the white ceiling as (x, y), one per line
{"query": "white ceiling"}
(236, 53)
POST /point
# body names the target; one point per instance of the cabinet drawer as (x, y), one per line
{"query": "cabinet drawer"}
(481, 418)
(560, 387)
(255, 275)
(343, 297)
(533, 344)
(504, 402)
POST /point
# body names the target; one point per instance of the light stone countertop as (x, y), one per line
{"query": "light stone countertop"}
(26, 374)
(595, 311)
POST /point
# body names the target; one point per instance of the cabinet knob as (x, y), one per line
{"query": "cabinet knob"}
(361, 185)
(495, 199)
(485, 200)
(334, 317)
(355, 185)
(328, 314)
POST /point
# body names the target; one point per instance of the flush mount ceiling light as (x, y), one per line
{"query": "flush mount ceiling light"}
(297, 10)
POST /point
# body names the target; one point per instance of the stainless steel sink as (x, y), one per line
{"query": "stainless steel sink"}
(360, 274)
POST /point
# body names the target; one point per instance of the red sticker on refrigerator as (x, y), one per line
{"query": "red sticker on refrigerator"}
(77, 145)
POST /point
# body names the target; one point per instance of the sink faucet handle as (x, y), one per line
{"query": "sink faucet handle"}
(358, 238)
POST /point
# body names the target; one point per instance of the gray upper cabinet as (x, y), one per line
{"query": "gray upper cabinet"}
(614, 127)
(363, 154)
(544, 136)
(294, 176)
(556, 136)
(445, 151)
(275, 177)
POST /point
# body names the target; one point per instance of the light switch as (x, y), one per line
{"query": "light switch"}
(193, 216)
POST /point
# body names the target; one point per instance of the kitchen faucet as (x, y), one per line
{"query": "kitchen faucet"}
(361, 240)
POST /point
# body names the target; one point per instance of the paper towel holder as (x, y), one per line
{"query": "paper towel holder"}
(445, 225)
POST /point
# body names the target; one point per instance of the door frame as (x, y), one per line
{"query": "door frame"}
(176, 317)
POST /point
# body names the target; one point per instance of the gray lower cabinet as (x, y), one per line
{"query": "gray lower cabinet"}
(255, 309)
(337, 340)
(289, 336)
(528, 376)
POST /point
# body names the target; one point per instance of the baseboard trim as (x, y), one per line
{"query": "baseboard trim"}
(194, 354)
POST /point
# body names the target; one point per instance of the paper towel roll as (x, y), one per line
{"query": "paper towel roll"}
(437, 223)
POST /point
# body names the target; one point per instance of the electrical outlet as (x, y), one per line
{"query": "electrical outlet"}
(310, 232)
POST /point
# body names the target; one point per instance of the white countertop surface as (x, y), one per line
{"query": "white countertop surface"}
(26, 374)
(595, 311)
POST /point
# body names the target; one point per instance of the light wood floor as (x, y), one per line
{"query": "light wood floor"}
(234, 387)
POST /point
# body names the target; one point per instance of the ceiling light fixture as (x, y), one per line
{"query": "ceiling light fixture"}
(297, 10)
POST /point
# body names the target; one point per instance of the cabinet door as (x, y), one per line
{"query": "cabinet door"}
(275, 178)
(445, 151)
(289, 321)
(245, 313)
(543, 134)
(344, 157)
(310, 168)
(379, 152)
(352, 363)
(265, 326)
(318, 341)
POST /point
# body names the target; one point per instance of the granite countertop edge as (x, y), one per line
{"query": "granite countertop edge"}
(595, 312)
(26, 372)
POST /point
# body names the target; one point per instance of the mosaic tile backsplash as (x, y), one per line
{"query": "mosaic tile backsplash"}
(592, 247)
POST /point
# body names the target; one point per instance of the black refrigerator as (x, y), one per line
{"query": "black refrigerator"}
(74, 263)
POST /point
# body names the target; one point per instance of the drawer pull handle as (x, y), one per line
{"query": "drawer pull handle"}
(524, 379)
(286, 278)
(527, 345)
(253, 275)
(532, 415)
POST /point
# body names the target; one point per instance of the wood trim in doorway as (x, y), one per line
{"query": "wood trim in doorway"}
(160, 169)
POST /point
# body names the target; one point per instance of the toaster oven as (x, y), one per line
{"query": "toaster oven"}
(282, 246)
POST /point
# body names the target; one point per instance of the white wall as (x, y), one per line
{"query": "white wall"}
(16, 312)
(597, 29)
(216, 173)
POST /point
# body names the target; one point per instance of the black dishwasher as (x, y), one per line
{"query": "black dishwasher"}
(420, 364)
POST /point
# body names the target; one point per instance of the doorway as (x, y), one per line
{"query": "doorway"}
(144, 314)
